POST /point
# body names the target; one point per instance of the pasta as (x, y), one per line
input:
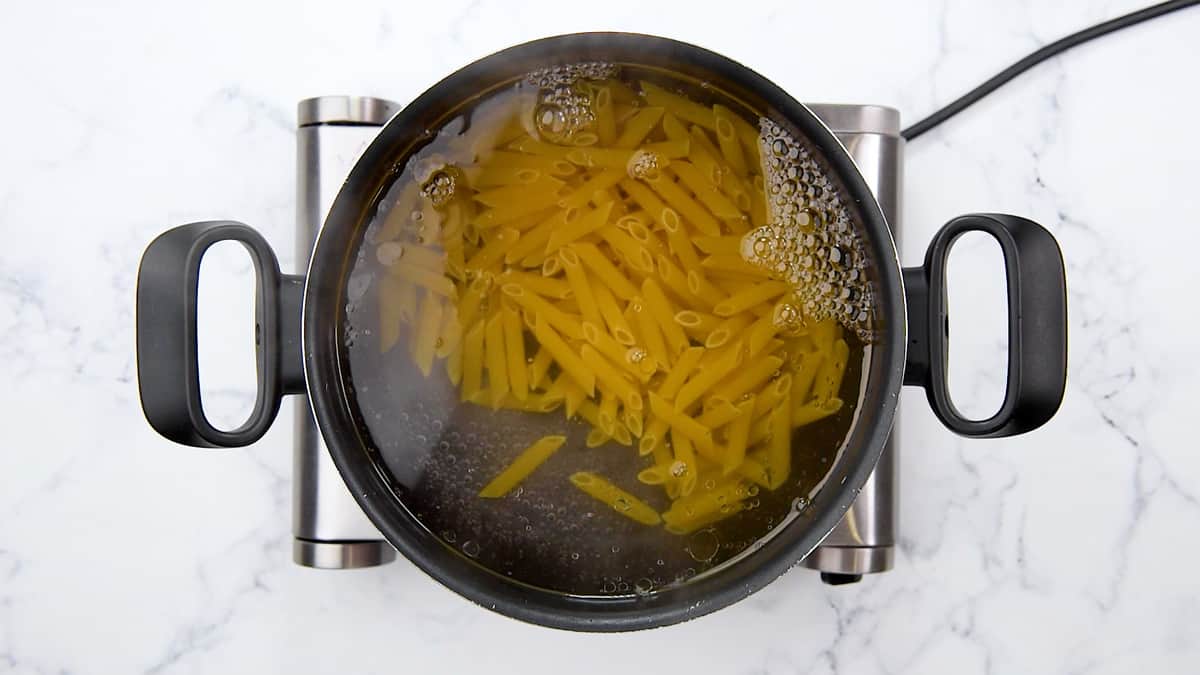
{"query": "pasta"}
(603, 270)
(621, 501)
(530, 459)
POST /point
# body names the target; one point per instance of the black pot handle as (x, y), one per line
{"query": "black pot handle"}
(167, 362)
(1037, 325)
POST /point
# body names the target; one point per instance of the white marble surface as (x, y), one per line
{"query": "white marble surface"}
(1070, 550)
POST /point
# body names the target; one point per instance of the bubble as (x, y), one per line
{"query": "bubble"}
(703, 545)
(448, 536)
(615, 549)
(643, 586)
(575, 556)
(679, 469)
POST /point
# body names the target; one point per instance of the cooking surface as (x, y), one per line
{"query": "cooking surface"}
(1059, 551)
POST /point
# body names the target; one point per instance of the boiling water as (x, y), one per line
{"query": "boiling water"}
(439, 450)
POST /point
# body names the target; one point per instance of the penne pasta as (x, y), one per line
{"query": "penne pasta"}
(739, 434)
(828, 382)
(514, 349)
(566, 358)
(724, 122)
(678, 106)
(661, 310)
(562, 322)
(525, 463)
(638, 127)
(692, 212)
(496, 359)
(779, 450)
(579, 228)
(621, 501)
(472, 372)
(609, 275)
(613, 317)
(750, 297)
(429, 325)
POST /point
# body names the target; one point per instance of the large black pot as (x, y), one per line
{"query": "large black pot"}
(301, 345)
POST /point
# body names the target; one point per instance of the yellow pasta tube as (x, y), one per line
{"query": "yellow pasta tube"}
(638, 127)
(514, 349)
(429, 323)
(655, 433)
(769, 396)
(779, 451)
(828, 382)
(454, 367)
(566, 358)
(606, 121)
(673, 128)
(662, 311)
(625, 357)
(706, 378)
(533, 146)
(684, 467)
(761, 332)
(691, 210)
(493, 252)
(472, 376)
(542, 285)
(721, 498)
(450, 333)
(687, 525)
(728, 330)
(540, 366)
(513, 201)
(610, 377)
(633, 421)
(700, 435)
(391, 309)
(530, 459)
(607, 415)
(650, 333)
(613, 317)
(724, 245)
(720, 413)
(823, 333)
(607, 157)
(499, 176)
(815, 410)
(534, 240)
(802, 380)
(582, 194)
(697, 324)
(621, 501)
(675, 280)
(424, 278)
(496, 359)
(727, 138)
(560, 320)
(678, 105)
(519, 160)
(580, 287)
(750, 377)
(733, 263)
(638, 256)
(579, 228)
(569, 390)
(671, 149)
(706, 192)
(609, 275)
(750, 297)
(739, 433)
(704, 289)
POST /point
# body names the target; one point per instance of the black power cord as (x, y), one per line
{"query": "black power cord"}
(1053, 49)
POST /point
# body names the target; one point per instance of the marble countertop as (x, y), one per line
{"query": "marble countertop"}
(1069, 550)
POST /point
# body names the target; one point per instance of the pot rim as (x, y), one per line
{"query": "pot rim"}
(774, 555)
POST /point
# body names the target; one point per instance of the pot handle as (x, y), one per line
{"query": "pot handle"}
(1037, 325)
(167, 362)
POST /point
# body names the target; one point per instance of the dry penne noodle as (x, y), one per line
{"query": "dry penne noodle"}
(530, 459)
(579, 228)
(692, 212)
(739, 434)
(603, 268)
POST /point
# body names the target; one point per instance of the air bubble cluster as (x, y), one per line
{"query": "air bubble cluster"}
(809, 239)
(439, 188)
(566, 104)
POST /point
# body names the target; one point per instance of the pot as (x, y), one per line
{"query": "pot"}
(302, 341)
